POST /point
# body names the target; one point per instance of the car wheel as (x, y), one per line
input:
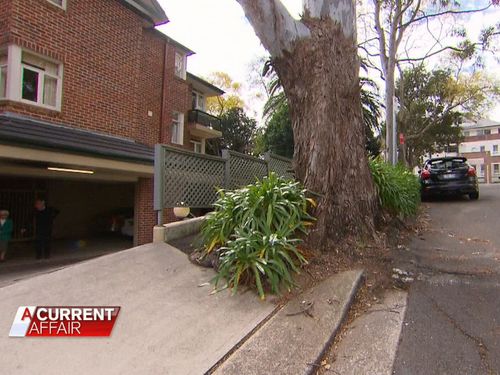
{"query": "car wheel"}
(474, 196)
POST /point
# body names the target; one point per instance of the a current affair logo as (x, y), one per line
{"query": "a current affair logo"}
(36, 321)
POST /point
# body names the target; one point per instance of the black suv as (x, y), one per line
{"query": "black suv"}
(448, 175)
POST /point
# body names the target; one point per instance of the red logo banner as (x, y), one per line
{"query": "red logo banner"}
(46, 321)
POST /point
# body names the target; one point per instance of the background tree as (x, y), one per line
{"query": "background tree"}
(317, 63)
(238, 132)
(217, 105)
(278, 134)
(398, 23)
(433, 105)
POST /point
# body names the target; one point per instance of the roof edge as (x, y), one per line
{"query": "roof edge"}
(168, 39)
(205, 83)
(155, 13)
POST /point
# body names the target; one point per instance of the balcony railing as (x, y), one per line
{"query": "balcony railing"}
(204, 118)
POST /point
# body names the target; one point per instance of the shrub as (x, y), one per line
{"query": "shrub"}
(398, 188)
(255, 231)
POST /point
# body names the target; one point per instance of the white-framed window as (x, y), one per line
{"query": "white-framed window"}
(198, 101)
(466, 134)
(30, 78)
(180, 65)
(59, 3)
(177, 128)
(197, 147)
(3, 75)
(495, 148)
(482, 148)
(39, 80)
(496, 169)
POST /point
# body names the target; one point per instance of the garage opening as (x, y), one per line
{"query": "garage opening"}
(94, 218)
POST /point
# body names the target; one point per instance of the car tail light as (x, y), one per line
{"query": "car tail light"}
(425, 174)
(471, 172)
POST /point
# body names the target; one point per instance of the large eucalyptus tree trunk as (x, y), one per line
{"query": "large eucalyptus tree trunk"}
(316, 61)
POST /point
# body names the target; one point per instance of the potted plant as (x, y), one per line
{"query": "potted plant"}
(181, 211)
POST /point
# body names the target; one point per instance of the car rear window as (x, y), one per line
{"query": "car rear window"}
(447, 164)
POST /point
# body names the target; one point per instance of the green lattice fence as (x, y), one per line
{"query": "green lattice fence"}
(193, 179)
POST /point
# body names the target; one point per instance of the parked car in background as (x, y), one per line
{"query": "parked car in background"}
(448, 175)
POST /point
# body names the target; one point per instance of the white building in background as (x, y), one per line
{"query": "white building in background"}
(481, 146)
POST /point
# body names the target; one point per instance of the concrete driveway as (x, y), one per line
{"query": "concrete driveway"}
(168, 324)
(452, 324)
(21, 263)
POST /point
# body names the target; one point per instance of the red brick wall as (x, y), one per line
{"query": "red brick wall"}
(113, 66)
(151, 84)
(5, 16)
(177, 98)
(145, 217)
(489, 160)
(113, 74)
(484, 137)
(100, 46)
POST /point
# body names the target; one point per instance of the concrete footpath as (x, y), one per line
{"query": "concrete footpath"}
(168, 324)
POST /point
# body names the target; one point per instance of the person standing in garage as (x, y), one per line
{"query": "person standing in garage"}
(44, 220)
(5, 233)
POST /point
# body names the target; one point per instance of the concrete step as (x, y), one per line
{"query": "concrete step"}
(293, 341)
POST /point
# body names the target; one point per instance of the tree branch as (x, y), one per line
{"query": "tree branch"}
(426, 16)
(273, 24)
(381, 37)
(408, 59)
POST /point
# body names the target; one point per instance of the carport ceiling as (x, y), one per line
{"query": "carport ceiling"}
(26, 168)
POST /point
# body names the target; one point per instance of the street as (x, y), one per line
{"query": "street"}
(452, 324)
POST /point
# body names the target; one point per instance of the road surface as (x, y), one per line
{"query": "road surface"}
(452, 323)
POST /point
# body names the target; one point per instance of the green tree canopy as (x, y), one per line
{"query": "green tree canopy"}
(238, 132)
(217, 105)
(434, 103)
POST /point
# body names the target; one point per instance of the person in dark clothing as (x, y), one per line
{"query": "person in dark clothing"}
(44, 220)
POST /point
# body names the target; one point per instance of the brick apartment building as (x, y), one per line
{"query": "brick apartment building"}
(481, 146)
(87, 87)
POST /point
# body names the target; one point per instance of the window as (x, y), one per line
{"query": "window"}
(197, 147)
(466, 134)
(481, 169)
(482, 148)
(177, 128)
(495, 148)
(198, 101)
(3, 75)
(496, 169)
(59, 3)
(39, 80)
(30, 78)
(180, 65)
(484, 132)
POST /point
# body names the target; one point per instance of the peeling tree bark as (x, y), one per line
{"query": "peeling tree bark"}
(319, 70)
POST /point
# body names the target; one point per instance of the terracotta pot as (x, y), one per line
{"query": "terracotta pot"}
(181, 212)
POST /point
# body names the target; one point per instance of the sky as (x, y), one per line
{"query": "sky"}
(223, 40)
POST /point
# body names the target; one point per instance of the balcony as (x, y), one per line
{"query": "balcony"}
(203, 125)
(204, 118)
